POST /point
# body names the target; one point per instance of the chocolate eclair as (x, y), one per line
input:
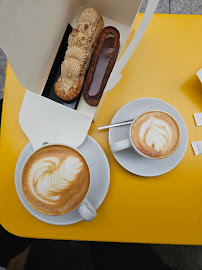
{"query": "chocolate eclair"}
(102, 63)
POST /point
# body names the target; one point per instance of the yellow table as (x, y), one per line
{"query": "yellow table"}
(164, 209)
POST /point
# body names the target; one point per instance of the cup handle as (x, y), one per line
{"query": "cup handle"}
(86, 210)
(120, 145)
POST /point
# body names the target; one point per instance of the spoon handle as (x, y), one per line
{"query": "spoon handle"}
(128, 122)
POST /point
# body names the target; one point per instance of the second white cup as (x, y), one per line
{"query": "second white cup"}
(49, 177)
(152, 134)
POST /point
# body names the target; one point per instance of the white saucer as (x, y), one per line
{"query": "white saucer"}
(132, 161)
(100, 176)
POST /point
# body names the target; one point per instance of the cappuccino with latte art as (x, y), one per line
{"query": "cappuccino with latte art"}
(155, 134)
(55, 179)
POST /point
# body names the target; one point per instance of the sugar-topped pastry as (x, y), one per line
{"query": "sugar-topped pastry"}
(81, 44)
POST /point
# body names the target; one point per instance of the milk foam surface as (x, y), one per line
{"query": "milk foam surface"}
(55, 179)
(49, 177)
(155, 134)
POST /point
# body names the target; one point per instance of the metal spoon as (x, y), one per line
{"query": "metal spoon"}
(127, 122)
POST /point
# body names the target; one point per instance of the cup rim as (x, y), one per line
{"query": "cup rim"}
(52, 144)
(138, 151)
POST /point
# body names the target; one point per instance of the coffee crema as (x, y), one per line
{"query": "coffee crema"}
(155, 134)
(55, 179)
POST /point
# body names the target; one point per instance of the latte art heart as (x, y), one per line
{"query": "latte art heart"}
(155, 134)
(55, 179)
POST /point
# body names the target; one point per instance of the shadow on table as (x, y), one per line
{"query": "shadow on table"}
(31, 254)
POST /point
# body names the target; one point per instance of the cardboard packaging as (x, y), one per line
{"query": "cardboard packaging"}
(30, 35)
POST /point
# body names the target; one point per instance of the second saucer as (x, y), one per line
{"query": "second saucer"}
(133, 161)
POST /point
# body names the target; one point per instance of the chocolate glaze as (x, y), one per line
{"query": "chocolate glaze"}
(101, 65)
(106, 53)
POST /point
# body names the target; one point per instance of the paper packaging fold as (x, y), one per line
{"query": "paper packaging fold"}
(199, 74)
(116, 73)
(198, 116)
(30, 35)
(59, 124)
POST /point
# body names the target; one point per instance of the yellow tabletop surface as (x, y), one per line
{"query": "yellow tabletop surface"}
(163, 209)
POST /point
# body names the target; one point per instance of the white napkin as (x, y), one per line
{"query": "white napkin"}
(197, 147)
(198, 118)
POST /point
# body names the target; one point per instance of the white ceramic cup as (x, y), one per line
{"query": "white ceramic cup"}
(127, 143)
(85, 209)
